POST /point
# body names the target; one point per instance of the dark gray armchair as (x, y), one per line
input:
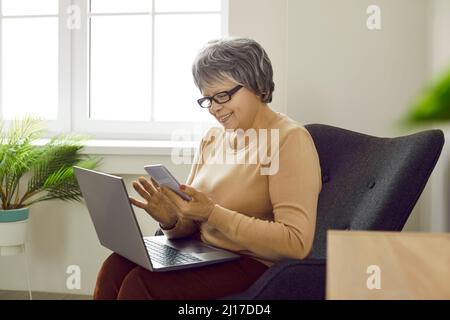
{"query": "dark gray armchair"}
(369, 183)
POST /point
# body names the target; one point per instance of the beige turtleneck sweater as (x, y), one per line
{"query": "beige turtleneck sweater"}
(269, 216)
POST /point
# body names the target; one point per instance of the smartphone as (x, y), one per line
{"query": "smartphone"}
(163, 177)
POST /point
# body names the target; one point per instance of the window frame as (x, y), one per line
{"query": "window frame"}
(73, 87)
(111, 129)
(62, 122)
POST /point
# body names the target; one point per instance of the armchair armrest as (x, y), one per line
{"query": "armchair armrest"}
(288, 280)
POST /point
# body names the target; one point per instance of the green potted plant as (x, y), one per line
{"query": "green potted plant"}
(31, 173)
(433, 105)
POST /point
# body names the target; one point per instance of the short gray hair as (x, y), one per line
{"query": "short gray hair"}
(242, 60)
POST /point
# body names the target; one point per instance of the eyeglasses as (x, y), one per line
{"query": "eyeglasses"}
(221, 97)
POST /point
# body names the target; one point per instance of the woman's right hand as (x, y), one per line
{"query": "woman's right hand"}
(156, 203)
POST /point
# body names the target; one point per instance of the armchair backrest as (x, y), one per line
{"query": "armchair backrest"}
(370, 183)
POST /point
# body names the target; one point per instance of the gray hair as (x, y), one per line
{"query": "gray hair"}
(241, 60)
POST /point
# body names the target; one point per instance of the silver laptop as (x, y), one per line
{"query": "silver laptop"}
(117, 229)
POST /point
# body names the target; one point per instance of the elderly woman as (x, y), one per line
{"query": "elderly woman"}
(264, 216)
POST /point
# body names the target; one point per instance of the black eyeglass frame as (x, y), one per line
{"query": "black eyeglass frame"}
(229, 93)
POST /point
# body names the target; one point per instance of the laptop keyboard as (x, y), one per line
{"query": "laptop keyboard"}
(167, 255)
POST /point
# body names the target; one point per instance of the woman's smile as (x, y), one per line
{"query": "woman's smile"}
(224, 118)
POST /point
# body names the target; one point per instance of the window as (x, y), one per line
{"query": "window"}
(123, 71)
(29, 58)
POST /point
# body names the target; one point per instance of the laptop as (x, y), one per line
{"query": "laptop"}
(118, 230)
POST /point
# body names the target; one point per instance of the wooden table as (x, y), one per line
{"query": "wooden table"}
(388, 265)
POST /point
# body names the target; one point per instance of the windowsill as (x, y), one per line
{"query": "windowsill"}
(136, 147)
(132, 147)
(128, 157)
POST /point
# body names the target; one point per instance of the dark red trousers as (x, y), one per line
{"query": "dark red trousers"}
(120, 278)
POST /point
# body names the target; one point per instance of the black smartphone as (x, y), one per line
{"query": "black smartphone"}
(163, 177)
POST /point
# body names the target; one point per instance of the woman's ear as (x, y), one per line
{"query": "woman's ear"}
(262, 96)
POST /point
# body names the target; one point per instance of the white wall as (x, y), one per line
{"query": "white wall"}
(340, 73)
(328, 69)
(436, 199)
(440, 38)
(266, 22)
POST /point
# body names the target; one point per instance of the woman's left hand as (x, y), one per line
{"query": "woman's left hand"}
(199, 208)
